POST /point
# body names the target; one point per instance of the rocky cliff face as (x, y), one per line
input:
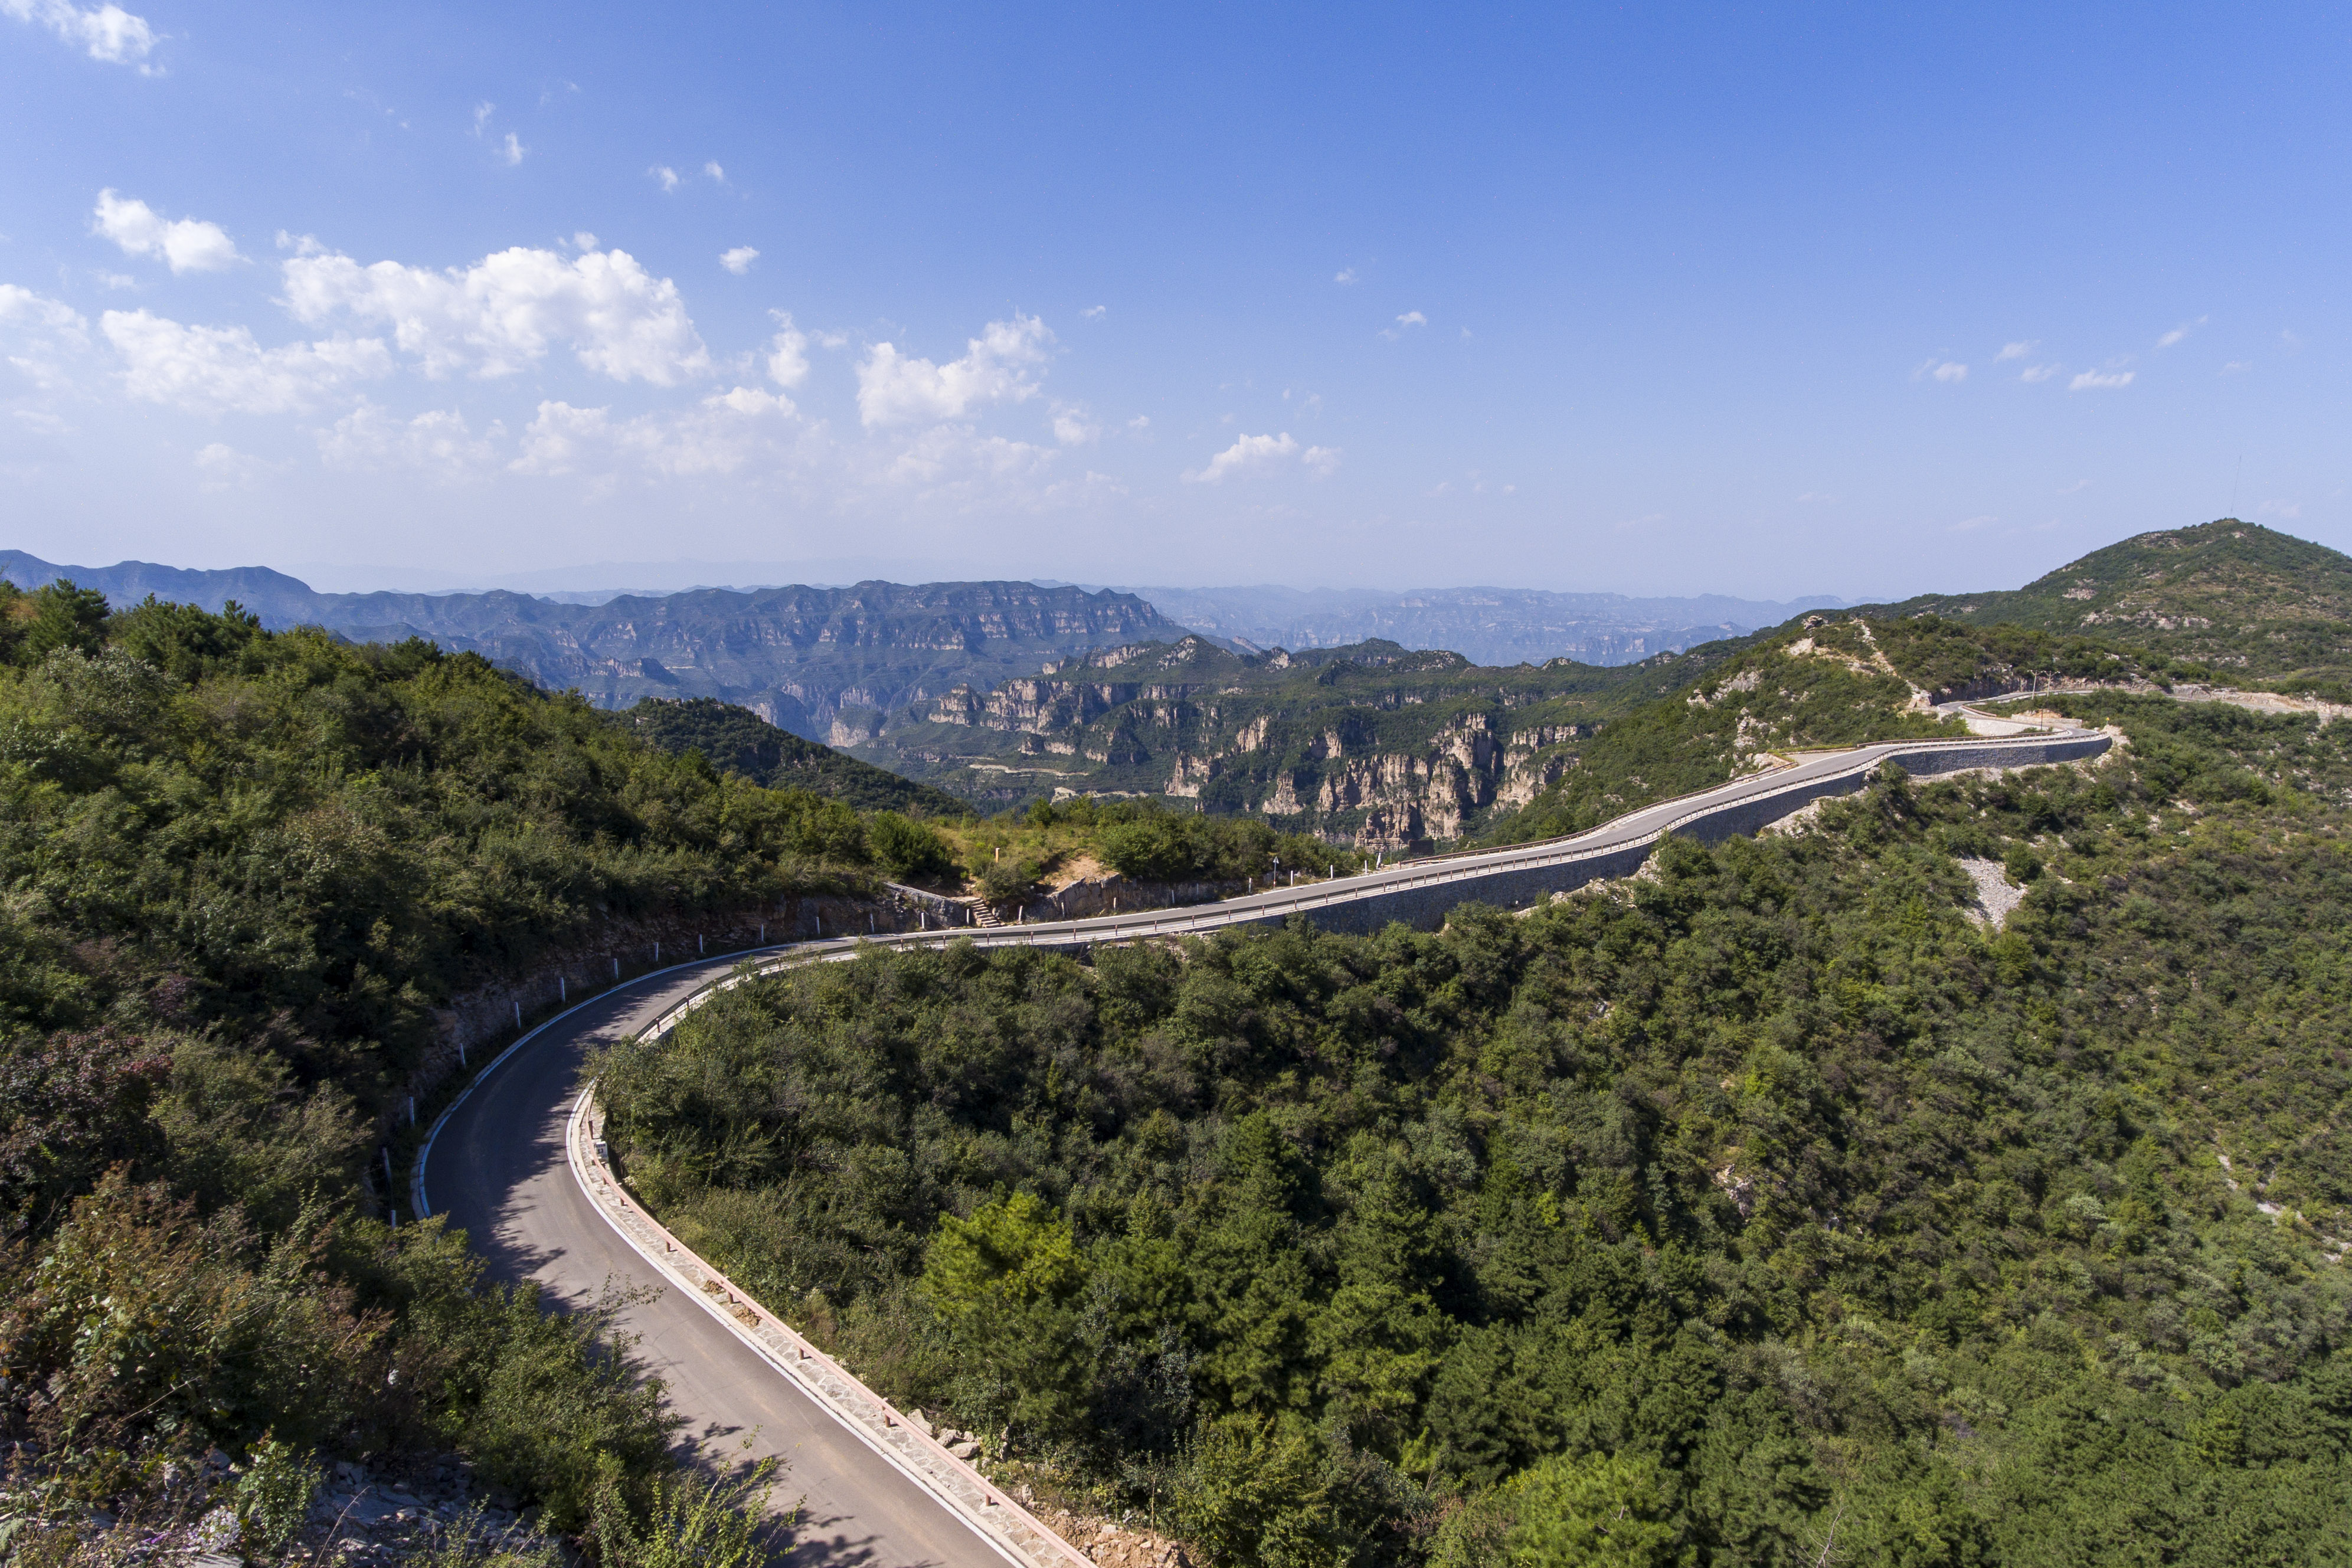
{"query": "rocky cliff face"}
(1375, 746)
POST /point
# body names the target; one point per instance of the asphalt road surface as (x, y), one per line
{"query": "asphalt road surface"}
(497, 1169)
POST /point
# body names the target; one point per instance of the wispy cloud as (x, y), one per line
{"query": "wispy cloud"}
(739, 260)
(1405, 323)
(1970, 525)
(715, 172)
(666, 175)
(2039, 373)
(223, 467)
(2181, 331)
(1945, 371)
(109, 32)
(1095, 312)
(2074, 488)
(513, 150)
(2015, 351)
(1345, 275)
(2101, 381)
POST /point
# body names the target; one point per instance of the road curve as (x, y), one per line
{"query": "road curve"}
(496, 1163)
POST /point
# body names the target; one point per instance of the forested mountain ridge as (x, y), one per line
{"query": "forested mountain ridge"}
(737, 740)
(1777, 1204)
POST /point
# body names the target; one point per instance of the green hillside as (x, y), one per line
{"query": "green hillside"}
(2242, 598)
(1835, 678)
(737, 740)
(243, 877)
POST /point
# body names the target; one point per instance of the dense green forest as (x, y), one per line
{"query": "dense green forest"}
(1765, 1208)
(241, 871)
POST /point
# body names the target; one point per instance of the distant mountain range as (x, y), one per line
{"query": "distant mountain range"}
(798, 657)
(1494, 626)
(845, 665)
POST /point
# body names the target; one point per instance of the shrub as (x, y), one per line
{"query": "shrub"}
(909, 850)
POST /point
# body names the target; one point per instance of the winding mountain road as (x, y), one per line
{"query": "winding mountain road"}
(496, 1164)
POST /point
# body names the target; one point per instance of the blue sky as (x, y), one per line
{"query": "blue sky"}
(1759, 301)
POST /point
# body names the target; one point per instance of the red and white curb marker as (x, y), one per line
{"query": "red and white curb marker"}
(1012, 1530)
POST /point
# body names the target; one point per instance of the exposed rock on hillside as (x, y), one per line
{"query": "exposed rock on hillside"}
(1376, 744)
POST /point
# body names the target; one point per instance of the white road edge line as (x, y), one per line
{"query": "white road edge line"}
(816, 1395)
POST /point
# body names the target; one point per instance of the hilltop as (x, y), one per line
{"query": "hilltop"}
(2241, 598)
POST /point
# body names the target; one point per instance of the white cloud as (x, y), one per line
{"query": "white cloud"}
(2237, 367)
(718, 436)
(739, 260)
(1247, 453)
(2014, 351)
(223, 467)
(895, 389)
(1947, 370)
(2181, 331)
(1095, 312)
(1405, 323)
(482, 112)
(513, 150)
(497, 317)
(1345, 275)
(666, 175)
(715, 172)
(1141, 421)
(214, 369)
(437, 441)
(2039, 373)
(110, 32)
(1321, 462)
(41, 334)
(1072, 427)
(788, 363)
(186, 243)
(2091, 381)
